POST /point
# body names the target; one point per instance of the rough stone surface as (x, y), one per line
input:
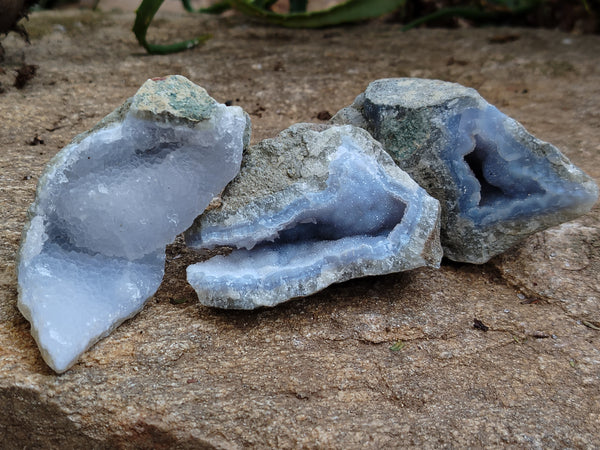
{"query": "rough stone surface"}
(314, 206)
(496, 182)
(573, 278)
(317, 372)
(93, 250)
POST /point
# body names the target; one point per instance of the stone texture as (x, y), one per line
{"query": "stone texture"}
(496, 182)
(107, 205)
(314, 206)
(572, 280)
(317, 372)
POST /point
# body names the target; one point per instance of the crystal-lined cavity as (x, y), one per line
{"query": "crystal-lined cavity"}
(349, 212)
(496, 183)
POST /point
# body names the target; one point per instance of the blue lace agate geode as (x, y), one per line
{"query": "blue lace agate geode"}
(496, 183)
(107, 205)
(312, 207)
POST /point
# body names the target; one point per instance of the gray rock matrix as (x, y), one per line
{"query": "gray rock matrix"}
(496, 182)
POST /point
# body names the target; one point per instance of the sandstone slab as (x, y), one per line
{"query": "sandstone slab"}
(317, 372)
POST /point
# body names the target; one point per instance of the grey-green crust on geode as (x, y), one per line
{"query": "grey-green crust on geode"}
(107, 204)
(496, 183)
(314, 206)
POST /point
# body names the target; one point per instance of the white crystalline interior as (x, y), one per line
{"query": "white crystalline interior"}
(134, 186)
(106, 208)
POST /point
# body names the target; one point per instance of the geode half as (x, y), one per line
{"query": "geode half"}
(496, 183)
(93, 249)
(314, 206)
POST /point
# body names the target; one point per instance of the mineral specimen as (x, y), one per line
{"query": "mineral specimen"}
(107, 205)
(496, 183)
(315, 206)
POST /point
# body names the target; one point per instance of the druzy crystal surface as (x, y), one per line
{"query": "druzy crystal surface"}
(496, 182)
(312, 207)
(108, 204)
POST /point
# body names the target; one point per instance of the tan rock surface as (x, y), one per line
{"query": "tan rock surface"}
(317, 372)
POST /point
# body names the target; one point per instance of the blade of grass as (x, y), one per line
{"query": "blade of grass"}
(586, 6)
(349, 11)
(264, 4)
(298, 6)
(143, 17)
